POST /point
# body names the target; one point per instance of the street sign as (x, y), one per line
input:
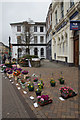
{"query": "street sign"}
(75, 25)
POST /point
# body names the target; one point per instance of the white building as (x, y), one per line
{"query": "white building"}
(65, 43)
(33, 34)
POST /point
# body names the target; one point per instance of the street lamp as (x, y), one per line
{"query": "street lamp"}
(10, 51)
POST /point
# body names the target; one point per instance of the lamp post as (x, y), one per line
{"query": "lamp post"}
(9, 50)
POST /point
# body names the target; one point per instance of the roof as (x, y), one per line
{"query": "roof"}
(35, 23)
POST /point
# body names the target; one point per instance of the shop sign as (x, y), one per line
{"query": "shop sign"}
(75, 25)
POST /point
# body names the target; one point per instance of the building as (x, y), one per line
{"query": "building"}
(65, 42)
(49, 33)
(33, 34)
(3, 50)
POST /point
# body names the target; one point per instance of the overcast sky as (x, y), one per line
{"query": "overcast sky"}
(21, 11)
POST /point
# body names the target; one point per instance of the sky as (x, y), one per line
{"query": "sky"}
(12, 12)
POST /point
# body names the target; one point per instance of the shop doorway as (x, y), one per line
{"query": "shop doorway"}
(76, 48)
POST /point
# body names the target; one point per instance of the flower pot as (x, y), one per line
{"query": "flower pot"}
(52, 84)
(64, 95)
(38, 93)
(62, 82)
(23, 86)
(15, 77)
(31, 89)
(25, 75)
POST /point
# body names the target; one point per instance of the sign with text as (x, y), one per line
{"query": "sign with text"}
(75, 25)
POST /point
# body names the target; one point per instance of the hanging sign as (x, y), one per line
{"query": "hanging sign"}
(75, 25)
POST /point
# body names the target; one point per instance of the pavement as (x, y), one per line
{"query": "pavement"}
(15, 103)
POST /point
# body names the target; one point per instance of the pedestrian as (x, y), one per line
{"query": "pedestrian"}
(4, 59)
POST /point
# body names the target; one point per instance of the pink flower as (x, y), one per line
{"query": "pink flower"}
(42, 99)
(38, 97)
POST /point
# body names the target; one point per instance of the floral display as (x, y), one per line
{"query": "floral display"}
(16, 73)
(44, 100)
(40, 85)
(52, 82)
(38, 91)
(25, 72)
(10, 72)
(31, 86)
(22, 81)
(35, 79)
(67, 92)
(61, 80)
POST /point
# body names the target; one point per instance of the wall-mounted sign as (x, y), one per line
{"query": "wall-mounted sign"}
(75, 25)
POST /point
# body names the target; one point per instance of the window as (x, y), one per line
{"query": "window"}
(26, 29)
(71, 3)
(35, 39)
(41, 29)
(62, 10)
(42, 52)
(35, 51)
(18, 28)
(27, 40)
(19, 52)
(35, 28)
(63, 47)
(56, 16)
(18, 39)
(27, 51)
(41, 39)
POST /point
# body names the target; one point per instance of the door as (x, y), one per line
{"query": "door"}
(76, 51)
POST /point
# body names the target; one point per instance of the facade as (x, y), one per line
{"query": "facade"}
(3, 50)
(33, 34)
(65, 42)
(49, 33)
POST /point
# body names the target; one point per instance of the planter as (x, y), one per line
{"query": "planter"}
(53, 84)
(15, 77)
(23, 86)
(45, 103)
(25, 75)
(31, 89)
(62, 82)
(38, 93)
(64, 95)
